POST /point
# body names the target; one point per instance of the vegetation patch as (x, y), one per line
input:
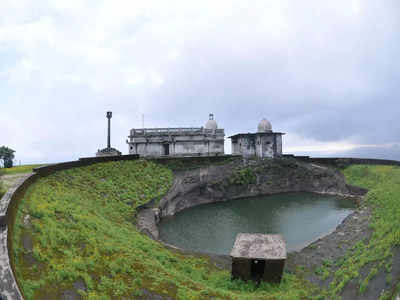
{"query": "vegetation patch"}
(18, 169)
(243, 176)
(368, 257)
(78, 225)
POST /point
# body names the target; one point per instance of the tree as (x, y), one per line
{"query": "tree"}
(7, 155)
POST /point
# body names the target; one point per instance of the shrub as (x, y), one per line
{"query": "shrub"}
(243, 177)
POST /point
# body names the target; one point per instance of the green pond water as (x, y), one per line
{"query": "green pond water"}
(300, 217)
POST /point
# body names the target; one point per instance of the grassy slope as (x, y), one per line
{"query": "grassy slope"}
(376, 254)
(83, 227)
(18, 169)
(13, 171)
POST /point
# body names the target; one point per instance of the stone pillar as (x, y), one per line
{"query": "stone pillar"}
(109, 116)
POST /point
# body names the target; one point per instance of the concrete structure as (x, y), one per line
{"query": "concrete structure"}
(258, 257)
(156, 142)
(264, 143)
(108, 151)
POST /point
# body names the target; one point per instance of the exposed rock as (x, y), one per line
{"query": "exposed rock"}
(80, 285)
(27, 221)
(73, 294)
(70, 295)
(27, 242)
(239, 180)
(147, 220)
(147, 295)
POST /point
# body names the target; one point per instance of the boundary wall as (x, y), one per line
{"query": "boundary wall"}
(344, 161)
(9, 289)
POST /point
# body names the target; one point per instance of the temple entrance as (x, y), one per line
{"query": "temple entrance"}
(166, 149)
(257, 269)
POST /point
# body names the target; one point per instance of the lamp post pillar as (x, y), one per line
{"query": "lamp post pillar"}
(109, 116)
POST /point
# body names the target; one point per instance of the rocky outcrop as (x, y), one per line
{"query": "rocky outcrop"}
(147, 220)
(239, 179)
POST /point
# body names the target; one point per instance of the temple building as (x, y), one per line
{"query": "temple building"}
(263, 144)
(196, 141)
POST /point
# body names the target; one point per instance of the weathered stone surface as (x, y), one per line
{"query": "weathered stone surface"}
(259, 246)
(6, 199)
(214, 184)
(147, 295)
(147, 222)
(73, 294)
(157, 142)
(8, 287)
(27, 242)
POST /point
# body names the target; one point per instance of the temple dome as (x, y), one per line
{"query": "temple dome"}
(264, 126)
(211, 124)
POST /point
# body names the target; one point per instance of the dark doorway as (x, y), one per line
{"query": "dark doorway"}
(257, 269)
(166, 149)
(274, 270)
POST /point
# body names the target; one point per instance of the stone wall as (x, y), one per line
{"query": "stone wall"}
(179, 141)
(179, 148)
(345, 161)
(9, 289)
(262, 145)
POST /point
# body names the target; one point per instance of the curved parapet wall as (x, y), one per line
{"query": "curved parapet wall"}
(345, 161)
(8, 286)
(9, 289)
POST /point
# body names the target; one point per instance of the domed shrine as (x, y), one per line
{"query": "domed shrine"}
(182, 141)
(263, 144)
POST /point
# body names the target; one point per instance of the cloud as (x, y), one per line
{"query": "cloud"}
(325, 73)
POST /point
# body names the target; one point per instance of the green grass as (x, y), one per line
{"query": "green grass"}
(83, 227)
(243, 176)
(376, 253)
(18, 169)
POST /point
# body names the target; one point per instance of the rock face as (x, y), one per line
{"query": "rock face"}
(241, 179)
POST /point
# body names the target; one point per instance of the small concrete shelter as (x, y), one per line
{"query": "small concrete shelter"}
(258, 257)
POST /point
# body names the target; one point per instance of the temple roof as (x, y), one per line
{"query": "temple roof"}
(264, 126)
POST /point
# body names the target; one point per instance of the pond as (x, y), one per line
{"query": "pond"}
(300, 217)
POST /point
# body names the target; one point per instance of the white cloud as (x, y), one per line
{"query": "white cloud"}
(177, 60)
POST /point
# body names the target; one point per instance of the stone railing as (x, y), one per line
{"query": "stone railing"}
(173, 131)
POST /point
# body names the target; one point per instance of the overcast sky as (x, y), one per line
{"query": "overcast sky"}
(325, 72)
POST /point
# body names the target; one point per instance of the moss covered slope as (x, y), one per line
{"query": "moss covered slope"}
(78, 226)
